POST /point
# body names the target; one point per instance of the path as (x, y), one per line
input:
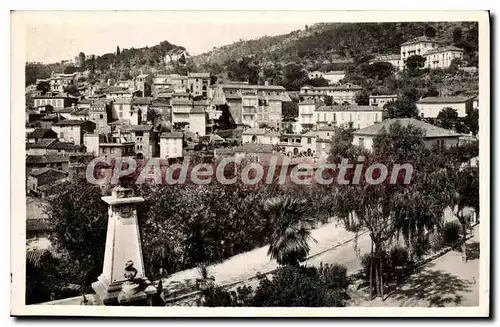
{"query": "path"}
(446, 281)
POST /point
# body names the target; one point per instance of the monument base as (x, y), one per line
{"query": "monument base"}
(108, 294)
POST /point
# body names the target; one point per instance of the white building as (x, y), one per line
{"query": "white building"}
(442, 57)
(306, 114)
(347, 116)
(296, 144)
(417, 46)
(171, 145)
(394, 59)
(315, 74)
(198, 118)
(73, 130)
(434, 135)
(334, 76)
(345, 93)
(431, 106)
(260, 136)
(382, 100)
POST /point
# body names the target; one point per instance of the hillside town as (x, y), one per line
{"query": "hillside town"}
(78, 114)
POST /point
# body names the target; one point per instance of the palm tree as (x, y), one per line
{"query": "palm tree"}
(288, 244)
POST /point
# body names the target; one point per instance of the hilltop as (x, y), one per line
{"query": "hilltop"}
(332, 42)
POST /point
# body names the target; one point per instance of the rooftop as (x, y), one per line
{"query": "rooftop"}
(70, 122)
(349, 108)
(443, 49)
(172, 135)
(142, 100)
(140, 128)
(430, 131)
(123, 101)
(451, 99)
(43, 133)
(420, 39)
(45, 159)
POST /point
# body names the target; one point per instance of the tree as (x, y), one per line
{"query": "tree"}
(294, 77)
(447, 118)
(471, 121)
(152, 115)
(317, 82)
(414, 64)
(401, 108)
(43, 86)
(328, 100)
(291, 230)
(117, 51)
(290, 109)
(71, 89)
(78, 221)
(363, 98)
(457, 36)
(463, 193)
(430, 31)
(70, 69)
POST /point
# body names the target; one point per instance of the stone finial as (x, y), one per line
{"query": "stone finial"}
(121, 192)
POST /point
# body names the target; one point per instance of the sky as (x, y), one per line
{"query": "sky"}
(49, 43)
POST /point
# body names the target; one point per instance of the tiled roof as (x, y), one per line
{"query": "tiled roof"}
(45, 159)
(451, 99)
(42, 133)
(142, 100)
(197, 110)
(70, 122)
(41, 144)
(255, 148)
(443, 49)
(420, 39)
(120, 122)
(47, 175)
(349, 108)
(66, 110)
(144, 128)
(232, 96)
(58, 145)
(82, 112)
(49, 117)
(123, 101)
(172, 135)
(430, 131)
(384, 96)
(307, 102)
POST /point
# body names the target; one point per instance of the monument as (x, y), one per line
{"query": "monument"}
(123, 281)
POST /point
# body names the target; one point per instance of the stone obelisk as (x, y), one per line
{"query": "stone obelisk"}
(123, 281)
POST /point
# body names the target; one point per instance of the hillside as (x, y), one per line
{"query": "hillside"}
(332, 41)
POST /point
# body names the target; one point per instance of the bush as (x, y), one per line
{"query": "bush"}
(334, 276)
(394, 265)
(218, 297)
(451, 234)
(299, 287)
(436, 241)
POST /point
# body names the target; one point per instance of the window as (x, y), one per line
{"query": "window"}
(308, 140)
(101, 116)
(112, 150)
(361, 141)
(334, 117)
(120, 114)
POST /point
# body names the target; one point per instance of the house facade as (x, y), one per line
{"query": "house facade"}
(341, 94)
(73, 130)
(59, 101)
(431, 106)
(171, 145)
(347, 116)
(381, 100)
(433, 135)
(260, 136)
